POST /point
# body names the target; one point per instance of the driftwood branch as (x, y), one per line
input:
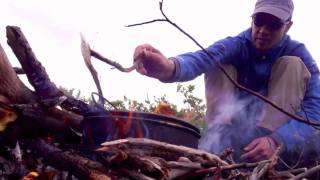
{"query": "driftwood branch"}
(49, 94)
(234, 82)
(35, 72)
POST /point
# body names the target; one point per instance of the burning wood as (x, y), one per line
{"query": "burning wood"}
(40, 139)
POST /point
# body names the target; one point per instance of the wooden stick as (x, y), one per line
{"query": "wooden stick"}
(85, 50)
(113, 63)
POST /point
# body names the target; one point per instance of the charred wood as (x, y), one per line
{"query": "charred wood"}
(36, 121)
(11, 169)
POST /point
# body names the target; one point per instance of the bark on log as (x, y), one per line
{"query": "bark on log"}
(12, 88)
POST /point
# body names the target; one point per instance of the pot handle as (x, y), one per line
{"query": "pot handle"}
(101, 103)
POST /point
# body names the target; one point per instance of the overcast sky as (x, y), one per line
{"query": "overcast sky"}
(52, 27)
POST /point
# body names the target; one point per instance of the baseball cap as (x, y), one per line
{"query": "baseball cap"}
(282, 9)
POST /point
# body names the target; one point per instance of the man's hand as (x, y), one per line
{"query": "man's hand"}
(151, 62)
(259, 149)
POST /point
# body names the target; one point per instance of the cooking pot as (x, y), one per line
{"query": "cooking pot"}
(114, 125)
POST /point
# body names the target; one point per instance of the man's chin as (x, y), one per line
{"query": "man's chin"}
(262, 47)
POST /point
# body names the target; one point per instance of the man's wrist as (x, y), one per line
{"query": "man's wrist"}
(277, 140)
(173, 66)
(171, 70)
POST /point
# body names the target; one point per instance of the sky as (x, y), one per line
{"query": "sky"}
(53, 29)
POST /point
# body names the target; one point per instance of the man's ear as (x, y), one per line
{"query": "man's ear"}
(288, 26)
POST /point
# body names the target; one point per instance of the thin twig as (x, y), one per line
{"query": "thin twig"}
(243, 165)
(235, 83)
(147, 22)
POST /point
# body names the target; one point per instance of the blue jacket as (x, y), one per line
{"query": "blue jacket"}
(254, 71)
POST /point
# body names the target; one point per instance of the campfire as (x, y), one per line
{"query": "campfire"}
(46, 134)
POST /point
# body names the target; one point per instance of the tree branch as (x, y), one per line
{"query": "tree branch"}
(235, 83)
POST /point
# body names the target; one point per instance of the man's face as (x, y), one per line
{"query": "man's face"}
(267, 30)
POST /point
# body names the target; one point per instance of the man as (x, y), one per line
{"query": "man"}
(263, 59)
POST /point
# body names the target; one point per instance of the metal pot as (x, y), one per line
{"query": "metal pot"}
(122, 124)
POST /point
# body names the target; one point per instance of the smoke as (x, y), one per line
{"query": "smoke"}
(237, 133)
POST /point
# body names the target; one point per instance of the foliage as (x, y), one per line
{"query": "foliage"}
(193, 110)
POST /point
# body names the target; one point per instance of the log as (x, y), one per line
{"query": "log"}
(36, 121)
(12, 88)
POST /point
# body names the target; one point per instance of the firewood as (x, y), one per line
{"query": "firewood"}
(82, 168)
(306, 174)
(10, 168)
(36, 121)
(176, 160)
(184, 165)
(290, 173)
(11, 87)
(7, 115)
(118, 158)
(167, 151)
(35, 72)
(149, 165)
(134, 174)
(45, 89)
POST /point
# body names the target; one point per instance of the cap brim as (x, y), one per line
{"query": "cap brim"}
(279, 13)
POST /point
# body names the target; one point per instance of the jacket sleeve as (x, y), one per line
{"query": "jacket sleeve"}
(296, 135)
(190, 65)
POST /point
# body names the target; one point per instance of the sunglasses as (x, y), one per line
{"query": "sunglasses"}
(273, 23)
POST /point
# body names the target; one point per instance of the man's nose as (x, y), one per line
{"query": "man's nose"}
(264, 29)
